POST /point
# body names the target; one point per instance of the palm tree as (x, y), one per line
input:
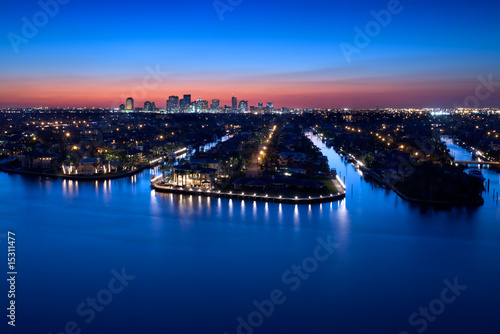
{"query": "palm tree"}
(166, 168)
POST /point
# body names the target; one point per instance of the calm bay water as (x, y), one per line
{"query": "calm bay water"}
(200, 263)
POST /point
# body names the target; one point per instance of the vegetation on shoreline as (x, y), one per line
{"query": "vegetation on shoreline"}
(403, 150)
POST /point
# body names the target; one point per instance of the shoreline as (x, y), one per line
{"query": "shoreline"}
(241, 196)
(387, 185)
(437, 203)
(379, 179)
(79, 177)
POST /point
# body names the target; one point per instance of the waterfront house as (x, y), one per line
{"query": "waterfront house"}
(289, 158)
(114, 166)
(88, 166)
(192, 175)
(135, 155)
(37, 160)
(13, 149)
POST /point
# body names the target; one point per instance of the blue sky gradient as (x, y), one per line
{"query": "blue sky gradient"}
(431, 53)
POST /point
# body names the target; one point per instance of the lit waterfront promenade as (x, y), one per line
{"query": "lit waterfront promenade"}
(157, 186)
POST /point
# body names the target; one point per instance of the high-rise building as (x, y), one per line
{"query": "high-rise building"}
(270, 105)
(234, 103)
(148, 106)
(173, 104)
(260, 105)
(122, 107)
(215, 107)
(201, 105)
(243, 106)
(130, 104)
(185, 103)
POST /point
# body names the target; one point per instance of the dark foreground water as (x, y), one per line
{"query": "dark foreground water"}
(114, 257)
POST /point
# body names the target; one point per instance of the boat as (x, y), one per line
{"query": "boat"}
(476, 173)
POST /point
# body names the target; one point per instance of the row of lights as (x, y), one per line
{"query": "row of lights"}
(255, 194)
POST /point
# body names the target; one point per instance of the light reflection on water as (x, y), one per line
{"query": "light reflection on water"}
(188, 209)
(296, 216)
(280, 213)
(191, 209)
(189, 252)
(266, 212)
(69, 187)
(254, 211)
(230, 208)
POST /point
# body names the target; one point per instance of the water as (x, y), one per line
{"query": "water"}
(490, 174)
(200, 263)
(458, 153)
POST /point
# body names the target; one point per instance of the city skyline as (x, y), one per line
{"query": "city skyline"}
(234, 166)
(345, 55)
(181, 103)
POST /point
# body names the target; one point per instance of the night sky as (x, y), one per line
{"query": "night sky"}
(96, 53)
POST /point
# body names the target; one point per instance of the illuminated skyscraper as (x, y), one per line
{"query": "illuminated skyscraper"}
(130, 104)
(270, 105)
(260, 105)
(215, 105)
(243, 106)
(185, 103)
(234, 103)
(201, 105)
(173, 104)
(148, 106)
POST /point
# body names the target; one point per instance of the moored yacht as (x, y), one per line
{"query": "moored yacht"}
(476, 173)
